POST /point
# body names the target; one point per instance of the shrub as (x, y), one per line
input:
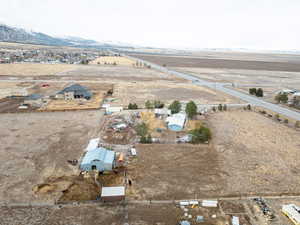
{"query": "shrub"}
(142, 129)
(132, 106)
(220, 107)
(214, 108)
(259, 92)
(175, 107)
(158, 104)
(297, 124)
(191, 109)
(249, 107)
(286, 121)
(252, 91)
(149, 105)
(225, 107)
(281, 98)
(200, 135)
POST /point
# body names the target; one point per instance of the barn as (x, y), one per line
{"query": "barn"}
(99, 159)
(75, 91)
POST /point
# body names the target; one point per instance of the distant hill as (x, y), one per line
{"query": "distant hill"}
(19, 35)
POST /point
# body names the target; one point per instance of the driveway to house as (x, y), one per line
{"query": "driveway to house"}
(221, 87)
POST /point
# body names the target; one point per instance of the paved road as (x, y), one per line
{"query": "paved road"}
(221, 87)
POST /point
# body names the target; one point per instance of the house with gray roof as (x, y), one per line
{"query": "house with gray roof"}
(75, 91)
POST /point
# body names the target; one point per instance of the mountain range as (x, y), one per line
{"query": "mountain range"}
(20, 35)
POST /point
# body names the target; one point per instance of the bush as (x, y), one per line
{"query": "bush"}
(249, 107)
(191, 109)
(214, 108)
(149, 105)
(142, 129)
(158, 104)
(200, 135)
(220, 107)
(252, 91)
(297, 124)
(286, 121)
(225, 107)
(132, 106)
(175, 107)
(259, 92)
(281, 98)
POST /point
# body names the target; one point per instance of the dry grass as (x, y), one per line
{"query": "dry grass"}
(34, 69)
(123, 61)
(60, 105)
(152, 122)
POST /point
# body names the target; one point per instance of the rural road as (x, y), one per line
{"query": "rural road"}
(221, 87)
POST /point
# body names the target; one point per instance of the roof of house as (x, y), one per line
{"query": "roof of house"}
(33, 97)
(78, 89)
(100, 154)
(292, 210)
(176, 119)
(113, 191)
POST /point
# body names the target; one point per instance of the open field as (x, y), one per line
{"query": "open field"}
(83, 215)
(205, 62)
(175, 172)
(247, 156)
(276, 79)
(253, 152)
(167, 92)
(27, 69)
(118, 60)
(42, 143)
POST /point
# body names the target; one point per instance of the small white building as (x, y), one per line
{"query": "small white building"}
(210, 203)
(93, 144)
(292, 212)
(235, 220)
(110, 194)
(162, 111)
(110, 110)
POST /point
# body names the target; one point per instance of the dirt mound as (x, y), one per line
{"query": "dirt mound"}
(44, 188)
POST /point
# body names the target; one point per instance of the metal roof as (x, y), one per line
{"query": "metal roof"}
(77, 89)
(100, 154)
(292, 211)
(34, 97)
(93, 144)
(112, 191)
(176, 119)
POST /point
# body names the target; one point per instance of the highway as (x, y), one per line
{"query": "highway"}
(221, 87)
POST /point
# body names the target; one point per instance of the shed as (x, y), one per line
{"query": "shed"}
(162, 111)
(176, 121)
(210, 203)
(93, 144)
(110, 110)
(292, 212)
(111, 194)
(235, 220)
(99, 159)
(133, 151)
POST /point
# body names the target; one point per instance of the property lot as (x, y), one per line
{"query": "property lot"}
(175, 172)
(79, 215)
(111, 73)
(275, 79)
(42, 143)
(174, 61)
(28, 69)
(256, 154)
(167, 92)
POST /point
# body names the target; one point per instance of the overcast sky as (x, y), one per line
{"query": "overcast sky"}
(253, 24)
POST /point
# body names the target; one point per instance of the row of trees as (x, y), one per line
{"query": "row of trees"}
(281, 98)
(220, 108)
(154, 104)
(257, 92)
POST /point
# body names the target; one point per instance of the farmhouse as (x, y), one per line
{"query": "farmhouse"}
(75, 91)
(176, 121)
(99, 159)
